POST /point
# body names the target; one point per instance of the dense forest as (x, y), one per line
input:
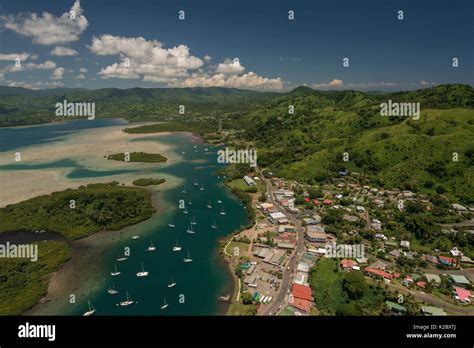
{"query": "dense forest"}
(80, 212)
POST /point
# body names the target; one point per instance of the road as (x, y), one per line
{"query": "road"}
(285, 282)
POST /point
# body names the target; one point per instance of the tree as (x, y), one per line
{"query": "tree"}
(354, 285)
(247, 298)
(262, 198)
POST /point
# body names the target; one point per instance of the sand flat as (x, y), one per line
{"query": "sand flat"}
(88, 148)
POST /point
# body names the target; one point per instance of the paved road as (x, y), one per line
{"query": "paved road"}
(285, 282)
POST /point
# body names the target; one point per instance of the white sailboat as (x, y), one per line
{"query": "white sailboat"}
(172, 284)
(143, 273)
(209, 205)
(165, 305)
(214, 224)
(194, 221)
(136, 237)
(171, 224)
(196, 184)
(151, 247)
(112, 290)
(188, 259)
(222, 212)
(90, 311)
(201, 188)
(190, 229)
(177, 247)
(116, 273)
(128, 301)
(219, 201)
(121, 258)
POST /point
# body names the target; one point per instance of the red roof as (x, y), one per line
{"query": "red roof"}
(463, 294)
(299, 303)
(307, 199)
(378, 272)
(327, 201)
(345, 263)
(315, 201)
(421, 284)
(301, 292)
(447, 259)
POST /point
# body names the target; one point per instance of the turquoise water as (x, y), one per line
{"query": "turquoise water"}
(198, 283)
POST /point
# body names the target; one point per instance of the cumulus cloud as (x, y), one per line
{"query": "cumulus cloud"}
(230, 67)
(34, 85)
(80, 77)
(336, 83)
(83, 70)
(248, 80)
(47, 65)
(13, 56)
(63, 51)
(58, 74)
(146, 59)
(47, 29)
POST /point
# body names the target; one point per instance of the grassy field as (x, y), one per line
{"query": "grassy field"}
(239, 309)
(23, 283)
(242, 185)
(172, 126)
(139, 157)
(96, 207)
(242, 248)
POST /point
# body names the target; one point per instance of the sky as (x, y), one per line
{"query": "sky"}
(236, 43)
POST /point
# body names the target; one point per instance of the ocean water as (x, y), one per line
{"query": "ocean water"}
(198, 283)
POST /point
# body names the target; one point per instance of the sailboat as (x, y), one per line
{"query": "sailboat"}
(121, 258)
(214, 224)
(177, 247)
(188, 259)
(222, 212)
(209, 205)
(171, 224)
(219, 201)
(143, 273)
(151, 247)
(201, 188)
(190, 229)
(196, 184)
(136, 237)
(116, 273)
(127, 302)
(90, 311)
(194, 221)
(165, 305)
(173, 283)
(112, 290)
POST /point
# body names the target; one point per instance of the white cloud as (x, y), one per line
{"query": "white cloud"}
(63, 51)
(34, 85)
(83, 70)
(147, 59)
(47, 29)
(249, 80)
(336, 83)
(58, 74)
(12, 56)
(80, 77)
(47, 65)
(230, 67)
(207, 58)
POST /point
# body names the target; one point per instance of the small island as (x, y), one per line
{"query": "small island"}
(148, 181)
(139, 157)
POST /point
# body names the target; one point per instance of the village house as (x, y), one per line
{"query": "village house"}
(462, 295)
(459, 280)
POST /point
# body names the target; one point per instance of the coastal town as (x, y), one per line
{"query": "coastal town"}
(347, 226)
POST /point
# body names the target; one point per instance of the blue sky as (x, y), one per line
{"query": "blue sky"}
(93, 49)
